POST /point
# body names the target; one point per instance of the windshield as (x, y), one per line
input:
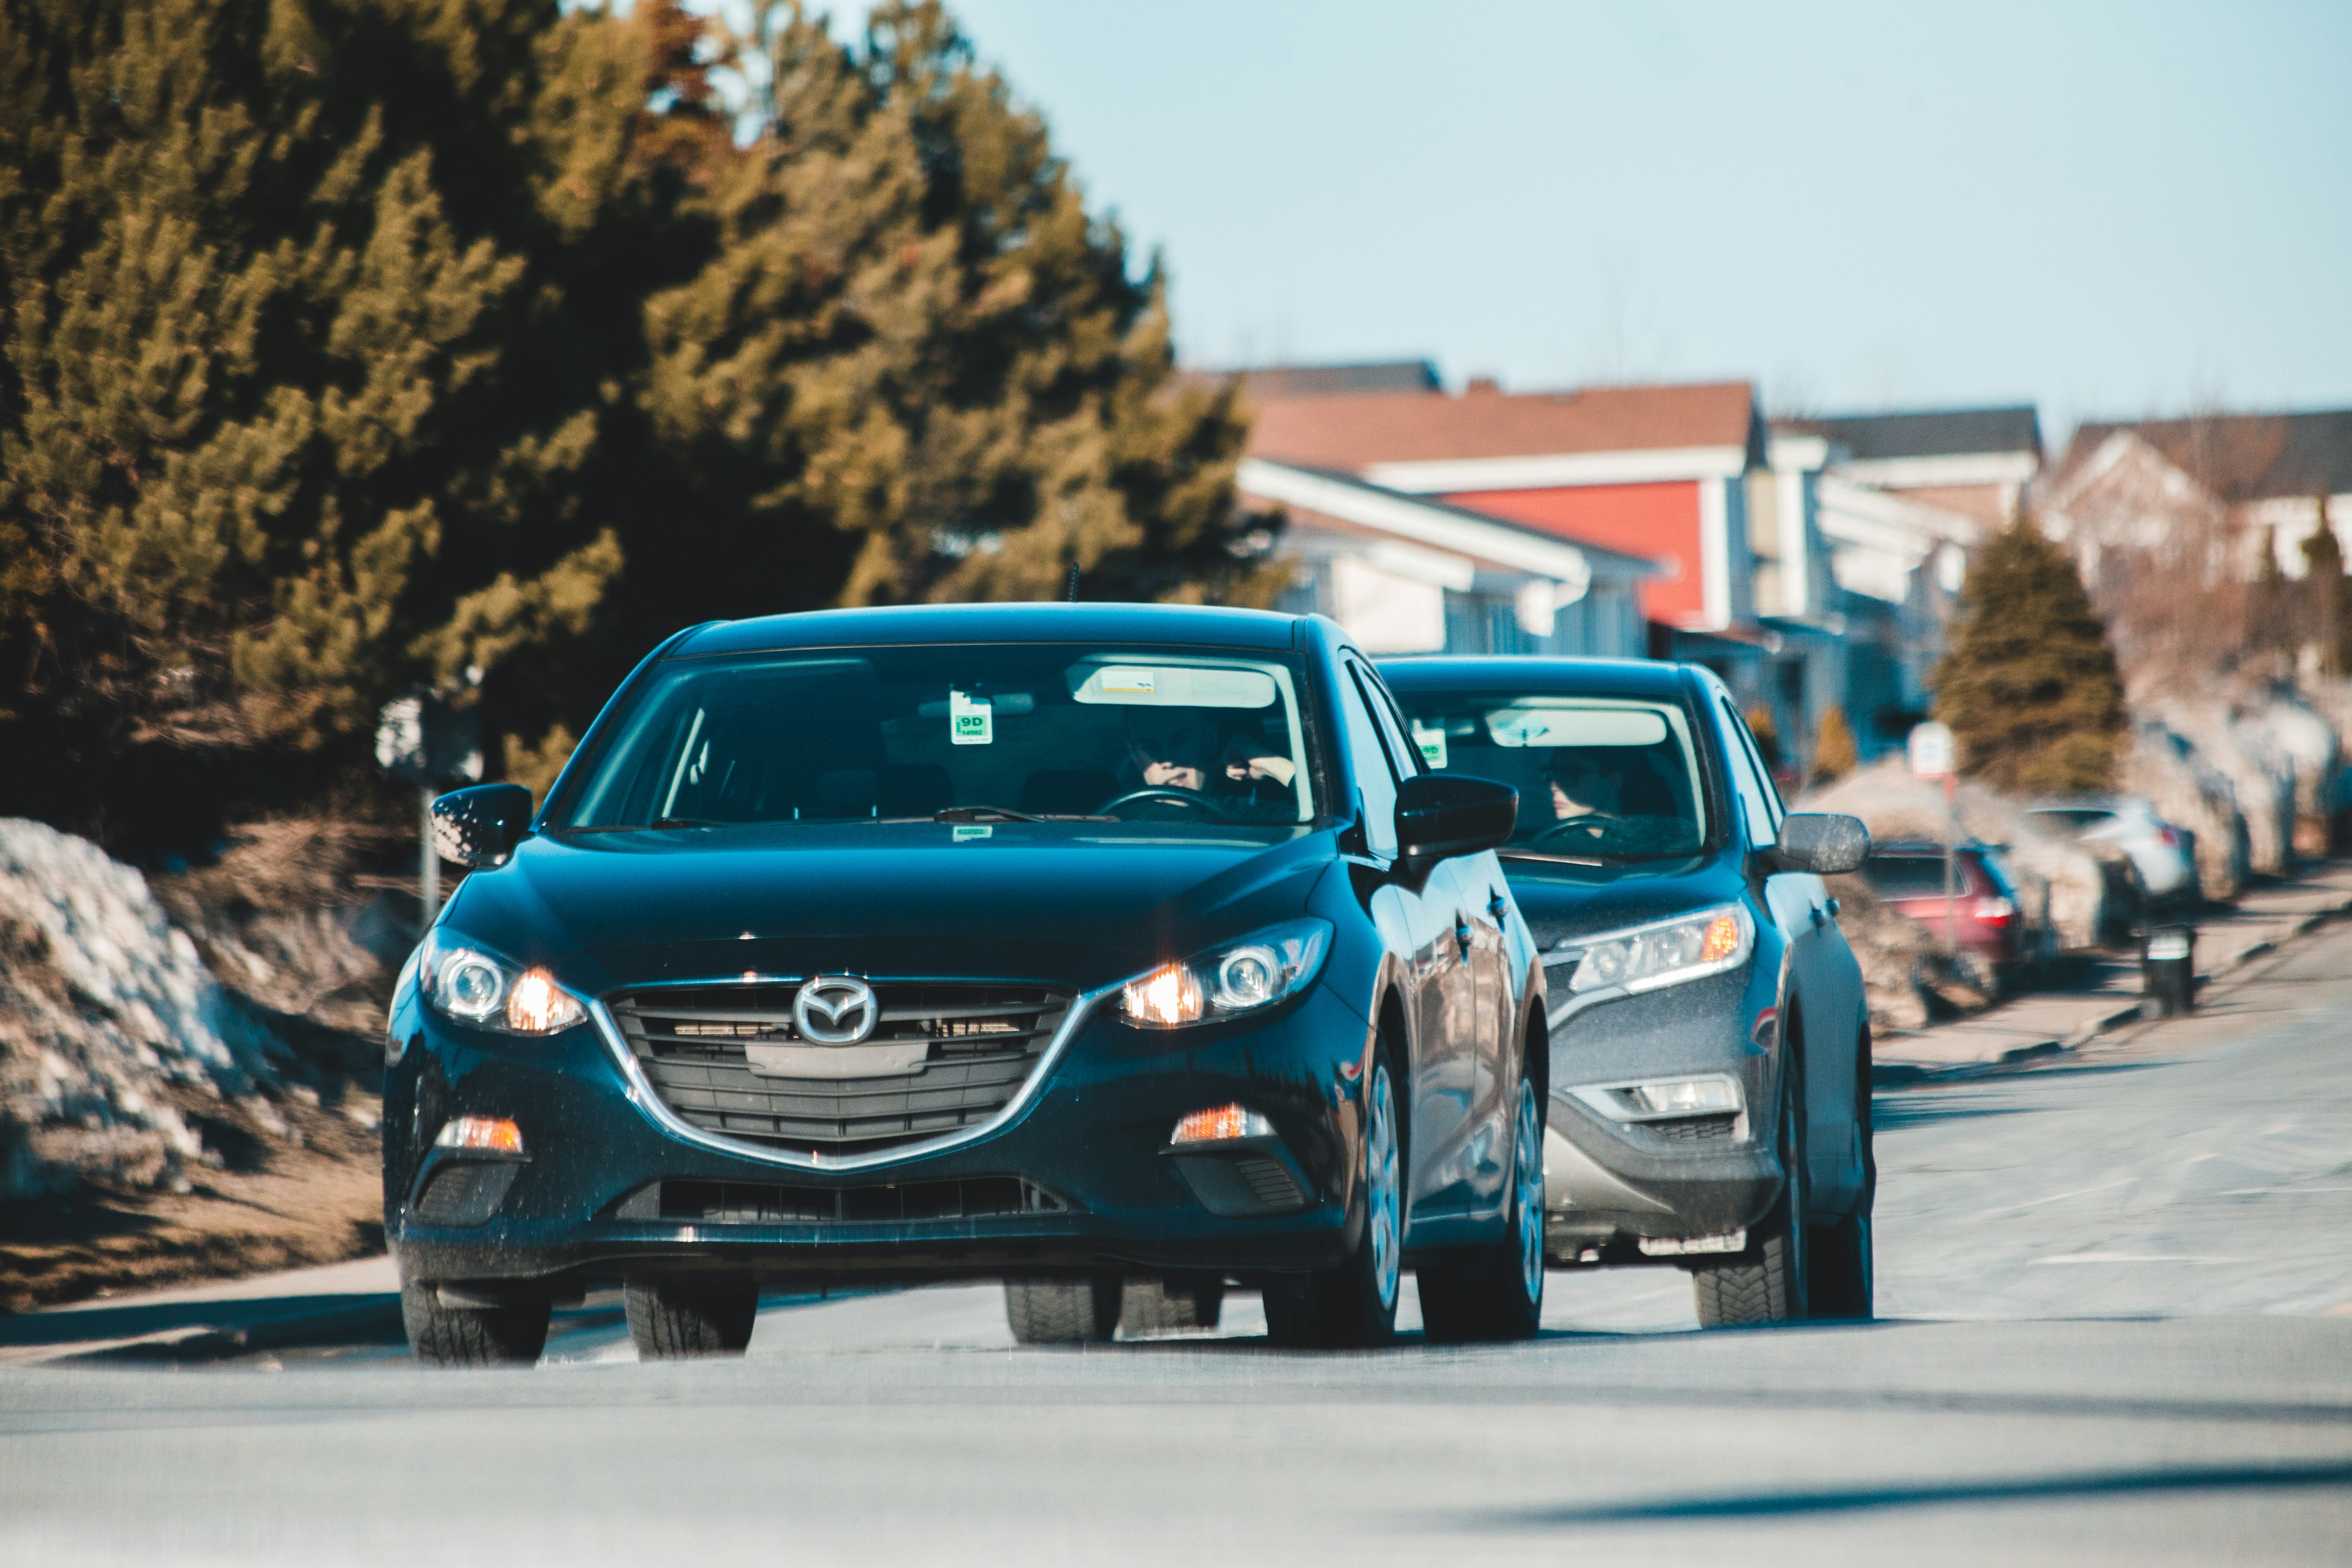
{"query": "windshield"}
(1599, 778)
(975, 732)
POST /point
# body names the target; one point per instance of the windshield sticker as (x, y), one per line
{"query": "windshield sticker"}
(1576, 727)
(971, 720)
(971, 830)
(1171, 685)
(1121, 679)
(1433, 745)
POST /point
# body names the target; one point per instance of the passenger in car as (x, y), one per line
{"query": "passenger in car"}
(1579, 786)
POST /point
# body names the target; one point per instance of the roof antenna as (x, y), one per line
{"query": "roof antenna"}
(1072, 596)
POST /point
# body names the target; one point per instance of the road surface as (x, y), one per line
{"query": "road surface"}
(2116, 1326)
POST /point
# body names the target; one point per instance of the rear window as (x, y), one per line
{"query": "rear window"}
(1598, 778)
(1910, 876)
(2072, 819)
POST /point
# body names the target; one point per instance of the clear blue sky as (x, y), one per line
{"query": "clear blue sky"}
(2107, 208)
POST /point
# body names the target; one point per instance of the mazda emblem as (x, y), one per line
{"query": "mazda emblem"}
(836, 1010)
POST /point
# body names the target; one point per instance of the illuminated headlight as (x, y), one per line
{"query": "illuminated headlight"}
(1256, 972)
(477, 987)
(1663, 1099)
(1667, 953)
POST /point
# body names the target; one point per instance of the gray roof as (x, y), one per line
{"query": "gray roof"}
(1276, 383)
(2245, 456)
(1924, 433)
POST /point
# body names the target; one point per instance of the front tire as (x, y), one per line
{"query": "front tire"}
(1843, 1284)
(1353, 1306)
(1767, 1284)
(509, 1335)
(1497, 1293)
(678, 1319)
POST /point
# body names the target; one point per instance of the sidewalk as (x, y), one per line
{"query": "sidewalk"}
(2043, 1023)
(208, 1322)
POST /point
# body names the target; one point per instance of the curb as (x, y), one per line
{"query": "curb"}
(194, 1342)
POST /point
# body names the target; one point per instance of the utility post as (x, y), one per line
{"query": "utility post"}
(425, 740)
(1931, 747)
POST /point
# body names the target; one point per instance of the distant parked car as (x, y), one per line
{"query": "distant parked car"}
(1990, 923)
(2164, 856)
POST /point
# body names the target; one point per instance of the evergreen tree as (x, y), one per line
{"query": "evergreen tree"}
(1834, 754)
(2329, 594)
(2030, 688)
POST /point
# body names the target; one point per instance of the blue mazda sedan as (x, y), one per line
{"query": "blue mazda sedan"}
(1119, 952)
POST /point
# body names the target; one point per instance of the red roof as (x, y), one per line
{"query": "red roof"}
(1356, 431)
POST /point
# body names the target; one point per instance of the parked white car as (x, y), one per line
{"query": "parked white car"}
(2164, 856)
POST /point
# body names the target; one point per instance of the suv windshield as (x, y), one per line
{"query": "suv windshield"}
(1598, 777)
(965, 732)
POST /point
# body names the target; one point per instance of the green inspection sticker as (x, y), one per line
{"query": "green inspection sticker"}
(965, 833)
(1433, 745)
(971, 720)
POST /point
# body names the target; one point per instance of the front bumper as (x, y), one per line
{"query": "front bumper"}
(598, 1193)
(1607, 1184)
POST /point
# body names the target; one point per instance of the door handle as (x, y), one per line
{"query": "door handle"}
(1462, 935)
(1497, 907)
(1819, 916)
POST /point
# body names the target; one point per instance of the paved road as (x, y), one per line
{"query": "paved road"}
(2119, 1328)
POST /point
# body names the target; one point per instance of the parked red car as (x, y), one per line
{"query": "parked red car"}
(1988, 919)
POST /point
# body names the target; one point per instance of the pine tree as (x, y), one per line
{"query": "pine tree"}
(2329, 594)
(1834, 755)
(2030, 688)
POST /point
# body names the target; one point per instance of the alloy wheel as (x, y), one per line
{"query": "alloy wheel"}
(1528, 1185)
(1380, 1183)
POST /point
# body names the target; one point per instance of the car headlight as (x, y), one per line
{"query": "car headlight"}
(475, 985)
(1665, 953)
(1258, 971)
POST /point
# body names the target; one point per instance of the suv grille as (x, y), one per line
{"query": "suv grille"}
(1693, 1129)
(982, 1044)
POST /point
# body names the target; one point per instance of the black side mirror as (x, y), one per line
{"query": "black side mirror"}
(1822, 842)
(1439, 815)
(481, 825)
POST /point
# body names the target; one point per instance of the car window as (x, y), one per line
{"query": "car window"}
(1175, 737)
(1750, 780)
(1375, 773)
(1905, 875)
(1606, 777)
(1391, 722)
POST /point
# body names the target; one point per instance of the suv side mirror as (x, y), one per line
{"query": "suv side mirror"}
(1822, 842)
(481, 825)
(1439, 815)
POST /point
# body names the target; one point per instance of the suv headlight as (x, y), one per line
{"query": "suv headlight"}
(1256, 972)
(475, 985)
(1664, 953)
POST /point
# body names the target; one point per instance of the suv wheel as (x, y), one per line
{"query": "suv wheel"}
(1841, 1285)
(1062, 1312)
(1353, 1306)
(1766, 1284)
(1497, 1293)
(693, 1316)
(511, 1334)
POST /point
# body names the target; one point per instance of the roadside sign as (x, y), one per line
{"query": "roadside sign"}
(1931, 750)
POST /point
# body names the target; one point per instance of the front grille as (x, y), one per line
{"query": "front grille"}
(979, 1045)
(1694, 1129)
(758, 1203)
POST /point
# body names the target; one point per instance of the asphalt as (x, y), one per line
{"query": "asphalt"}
(2116, 1326)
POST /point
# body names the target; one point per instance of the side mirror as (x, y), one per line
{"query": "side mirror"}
(481, 825)
(1822, 842)
(1439, 815)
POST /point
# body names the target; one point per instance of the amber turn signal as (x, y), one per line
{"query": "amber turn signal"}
(1220, 1122)
(498, 1134)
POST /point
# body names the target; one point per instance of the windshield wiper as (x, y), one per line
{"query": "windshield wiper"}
(1005, 814)
(648, 826)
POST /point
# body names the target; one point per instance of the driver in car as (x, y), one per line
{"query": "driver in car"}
(1183, 749)
(1579, 787)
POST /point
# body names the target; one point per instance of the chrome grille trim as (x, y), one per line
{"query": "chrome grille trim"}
(649, 1103)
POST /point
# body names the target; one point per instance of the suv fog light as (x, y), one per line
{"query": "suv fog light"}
(1234, 1120)
(1661, 1098)
(498, 1134)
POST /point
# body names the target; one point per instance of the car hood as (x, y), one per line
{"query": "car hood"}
(1043, 901)
(1565, 901)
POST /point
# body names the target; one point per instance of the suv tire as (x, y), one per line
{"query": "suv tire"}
(1154, 1304)
(1766, 1284)
(1841, 1285)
